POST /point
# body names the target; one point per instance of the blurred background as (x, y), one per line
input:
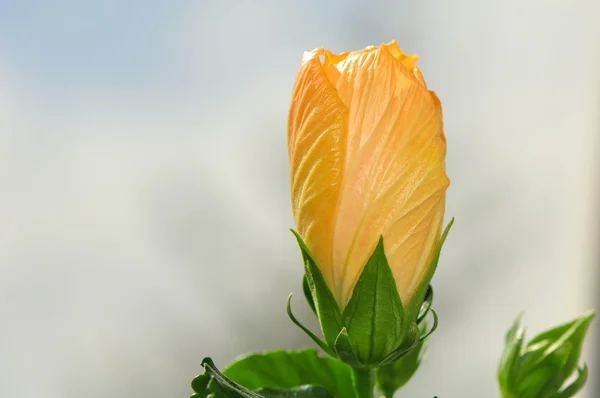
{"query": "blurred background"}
(145, 206)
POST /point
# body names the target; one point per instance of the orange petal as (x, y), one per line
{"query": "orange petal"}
(317, 129)
(395, 180)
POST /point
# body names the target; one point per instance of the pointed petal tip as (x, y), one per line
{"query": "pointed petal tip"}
(408, 60)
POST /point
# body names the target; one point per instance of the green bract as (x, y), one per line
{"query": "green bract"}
(376, 328)
(394, 376)
(542, 367)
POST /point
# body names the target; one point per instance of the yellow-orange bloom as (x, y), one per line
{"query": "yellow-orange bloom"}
(367, 151)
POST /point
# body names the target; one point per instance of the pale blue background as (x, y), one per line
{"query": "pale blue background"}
(144, 204)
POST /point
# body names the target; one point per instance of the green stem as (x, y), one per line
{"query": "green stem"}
(387, 393)
(363, 382)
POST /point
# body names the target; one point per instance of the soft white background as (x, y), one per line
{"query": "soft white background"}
(144, 204)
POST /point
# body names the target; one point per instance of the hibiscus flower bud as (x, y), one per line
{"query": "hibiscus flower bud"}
(368, 182)
(547, 365)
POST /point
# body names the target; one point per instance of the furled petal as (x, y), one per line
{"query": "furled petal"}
(317, 130)
(367, 153)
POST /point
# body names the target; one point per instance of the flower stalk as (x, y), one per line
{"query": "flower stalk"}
(364, 382)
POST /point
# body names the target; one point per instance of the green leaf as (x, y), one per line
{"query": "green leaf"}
(292, 369)
(297, 392)
(394, 376)
(214, 383)
(306, 330)
(200, 386)
(374, 315)
(328, 312)
(412, 309)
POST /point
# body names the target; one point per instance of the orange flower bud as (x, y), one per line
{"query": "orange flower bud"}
(367, 152)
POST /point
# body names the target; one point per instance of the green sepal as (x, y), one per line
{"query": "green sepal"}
(345, 351)
(412, 309)
(306, 330)
(426, 306)
(395, 375)
(512, 350)
(410, 341)
(417, 333)
(561, 348)
(328, 312)
(374, 316)
(433, 328)
(279, 370)
(576, 385)
(308, 294)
